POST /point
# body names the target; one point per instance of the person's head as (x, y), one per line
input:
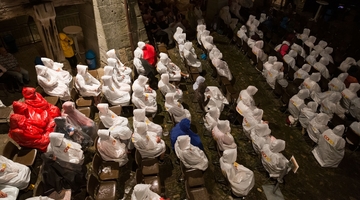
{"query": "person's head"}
(3, 51)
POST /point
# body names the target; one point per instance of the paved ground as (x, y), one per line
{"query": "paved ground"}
(310, 182)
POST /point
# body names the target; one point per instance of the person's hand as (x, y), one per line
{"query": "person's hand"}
(3, 167)
(266, 122)
(67, 148)
(158, 139)
(3, 194)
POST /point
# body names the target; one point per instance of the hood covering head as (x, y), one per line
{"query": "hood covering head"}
(292, 53)
(40, 70)
(216, 62)
(262, 130)
(328, 50)
(342, 76)
(20, 108)
(68, 107)
(259, 44)
(165, 78)
(315, 77)
(169, 99)
(306, 31)
(339, 130)
(111, 54)
(29, 93)
(200, 28)
(303, 94)
(198, 81)
(214, 112)
(179, 30)
(209, 39)
(141, 128)
(138, 91)
(335, 97)
(82, 69)
(104, 134)
(141, 45)
(112, 62)
(311, 60)
(324, 60)
(47, 62)
(313, 105)
(188, 45)
(56, 139)
(354, 87)
(107, 80)
(224, 126)
(243, 27)
(258, 114)
(103, 108)
(272, 59)
(142, 80)
(164, 58)
(184, 142)
(278, 65)
(139, 115)
(185, 124)
(229, 156)
(138, 53)
(108, 70)
(251, 90)
(322, 118)
(322, 44)
(306, 67)
(277, 146)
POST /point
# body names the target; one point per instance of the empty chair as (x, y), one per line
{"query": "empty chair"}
(98, 167)
(23, 156)
(105, 190)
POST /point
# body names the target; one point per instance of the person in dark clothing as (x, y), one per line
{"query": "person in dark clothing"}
(155, 30)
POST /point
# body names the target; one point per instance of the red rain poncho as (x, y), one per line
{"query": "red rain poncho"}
(35, 100)
(149, 54)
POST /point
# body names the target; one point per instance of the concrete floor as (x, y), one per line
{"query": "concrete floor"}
(310, 182)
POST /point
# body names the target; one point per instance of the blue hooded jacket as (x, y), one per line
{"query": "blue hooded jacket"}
(183, 128)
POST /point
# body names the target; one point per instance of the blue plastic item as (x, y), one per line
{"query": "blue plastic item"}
(203, 56)
(91, 59)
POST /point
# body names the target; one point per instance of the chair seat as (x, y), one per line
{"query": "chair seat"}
(26, 156)
(200, 193)
(82, 102)
(225, 81)
(52, 100)
(154, 181)
(114, 172)
(194, 181)
(150, 170)
(106, 191)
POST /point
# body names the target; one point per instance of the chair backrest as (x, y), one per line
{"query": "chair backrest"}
(336, 120)
(96, 163)
(85, 110)
(92, 184)
(94, 73)
(96, 144)
(39, 190)
(352, 137)
(10, 150)
(324, 84)
(73, 94)
(116, 109)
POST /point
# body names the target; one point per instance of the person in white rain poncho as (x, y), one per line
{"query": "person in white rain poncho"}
(274, 74)
(311, 59)
(331, 104)
(257, 50)
(215, 53)
(273, 161)
(349, 94)
(139, 116)
(299, 50)
(262, 17)
(143, 100)
(322, 69)
(355, 108)
(63, 75)
(109, 71)
(242, 34)
(14, 174)
(222, 68)
(148, 143)
(211, 118)
(190, 56)
(114, 95)
(217, 99)
(347, 63)
(142, 81)
(303, 72)
(191, 156)
(181, 44)
(165, 66)
(175, 108)
(241, 178)
(248, 104)
(8, 192)
(326, 53)
(337, 84)
(253, 28)
(138, 54)
(208, 43)
(121, 76)
(110, 148)
(250, 20)
(317, 126)
(331, 147)
(305, 35)
(222, 135)
(251, 119)
(64, 149)
(320, 46)
(109, 118)
(268, 65)
(296, 103)
(122, 68)
(200, 29)
(51, 83)
(307, 113)
(86, 84)
(203, 35)
(310, 42)
(290, 59)
(178, 32)
(260, 135)
(310, 83)
(166, 87)
(143, 192)
(355, 126)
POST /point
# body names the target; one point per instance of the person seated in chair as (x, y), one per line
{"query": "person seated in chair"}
(276, 73)
(14, 174)
(109, 118)
(110, 71)
(273, 161)
(242, 34)
(119, 73)
(200, 88)
(296, 103)
(303, 72)
(289, 58)
(165, 66)
(311, 84)
(337, 84)
(111, 149)
(222, 68)
(268, 65)
(143, 82)
(191, 57)
(166, 87)
(183, 128)
(307, 113)
(247, 97)
(64, 75)
(251, 119)
(349, 94)
(258, 51)
(139, 116)
(331, 105)
(86, 84)
(222, 135)
(149, 53)
(122, 69)
(211, 118)
(143, 100)
(260, 135)
(326, 53)
(112, 94)
(317, 126)
(175, 108)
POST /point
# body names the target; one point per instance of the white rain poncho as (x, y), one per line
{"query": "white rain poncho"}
(273, 161)
(222, 68)
(191, 156)
(324, 61)
(251, 42)
(242, 34)
(215, 53)
(355, 126)
(250, 20)
(305, 35)
(122, 68)
(11, 192)
(166, 87)
(142, 100)
(121, 76)
(109, 118)
(257, 50)
(139, 116)
(165, 66)
(262, 17)
(311, 59)
(310, 83)
(208, 43)
(200, 29)
(289, 58)
(203, 35)
(190, 56)
(177, 33)
(65, 149)
(349, 94)
(331, 147)
(225, 15)
(142, 81)
(110, 148)
(85, 83)
(296, 103)
(14, 174)
(317, 126)
(326, 53)
(322, 69)
(247, 96)
(329, 105)
(260, 135)
(310, 42)
(319, 97)
(253, 28)
(211, 118)
(241, 178)
(337, 83)
(274, 74)
(175, 108)
(146, 142)
(217, 99)
(181, 47)
(51, 83)
(303, 72)
(138, 54)
(251, 120)
(299, 50)
(355, 108)
(320, 46)
(268, 65)
(307, 113)
(143, 192)
(63, 75)
(347, 63)
(198, 81)
(222, 135)
(109, 71)
(114, 95)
